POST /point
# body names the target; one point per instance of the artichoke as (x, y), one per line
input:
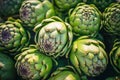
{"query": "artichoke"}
(53, 37)
(7, 69)
(9, 7)
(32, 64)
(34, 11)
(65, 5)
(115, 56)
(85, 20)
(111, 19)
(101, 4)
(13, 37)
(88, 56)
(65, 73)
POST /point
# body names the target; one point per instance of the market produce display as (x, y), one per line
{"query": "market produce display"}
(59, 40)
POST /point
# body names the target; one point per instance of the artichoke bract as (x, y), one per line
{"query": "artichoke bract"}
(9, 7)
(65, 5)
(115, 56)
(85, 20)
(32, 64)
(34, 11)
(101, 4)
(111, 19)
(65, 73)
(53, 37)
(88, 56)
(7, 69)
(13, 37)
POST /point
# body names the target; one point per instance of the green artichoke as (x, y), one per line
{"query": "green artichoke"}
(115, 56)
(9, 7)
(53, 37)
(88, 56)
(65, 73)
(7, 69)
(85, 20)
(111, 19)
(65, 5)
(101, 4)
(34, 11)
(32, 64)
(13, 37)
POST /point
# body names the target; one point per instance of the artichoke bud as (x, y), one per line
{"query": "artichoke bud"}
(65, 5)
(101, 4)
(7, 69)
(53, 37)
(65, 73)
(85, 20)
(88, 55)
(13, 37)
(9, 7)
(115, 56)
(111, 19)
(33, 12)
(33, 65)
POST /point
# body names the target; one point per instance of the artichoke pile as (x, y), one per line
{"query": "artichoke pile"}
(59, 40)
